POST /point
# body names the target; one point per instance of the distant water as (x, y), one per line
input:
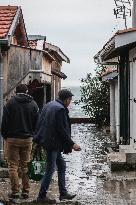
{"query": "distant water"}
(76, 110)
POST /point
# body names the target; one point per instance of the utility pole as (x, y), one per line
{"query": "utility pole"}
(134, 14)
(1, 103)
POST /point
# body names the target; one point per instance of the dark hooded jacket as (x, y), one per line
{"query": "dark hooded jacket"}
(20, 115)
(54, 128)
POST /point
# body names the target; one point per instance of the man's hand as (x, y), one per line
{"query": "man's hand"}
(76, 147)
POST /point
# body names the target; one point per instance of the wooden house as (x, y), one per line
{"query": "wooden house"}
(26, 61)
(20, 63)
(39, 42)
(31, 67)
(57, 75)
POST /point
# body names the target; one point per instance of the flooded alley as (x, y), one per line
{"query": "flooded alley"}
(67, 68)
(88, 173)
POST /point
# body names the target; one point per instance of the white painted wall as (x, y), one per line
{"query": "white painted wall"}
(117, 110)
(132, 56)
(114, 111)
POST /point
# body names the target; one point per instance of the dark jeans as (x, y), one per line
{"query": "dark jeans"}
(53, 158)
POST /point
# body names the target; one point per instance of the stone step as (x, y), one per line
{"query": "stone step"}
(129, 152)
(124, 148)
(116, 161)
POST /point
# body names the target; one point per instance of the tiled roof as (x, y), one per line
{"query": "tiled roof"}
(32, 43)
(108, 70)
(7, 14)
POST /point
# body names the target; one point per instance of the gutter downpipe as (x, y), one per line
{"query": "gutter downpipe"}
(1, 105)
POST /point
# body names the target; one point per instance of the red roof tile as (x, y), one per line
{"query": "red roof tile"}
(32, 43)
(108, 70)
(7, 14)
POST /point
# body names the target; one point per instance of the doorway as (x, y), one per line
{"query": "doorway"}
(36, 90)
(40, 92)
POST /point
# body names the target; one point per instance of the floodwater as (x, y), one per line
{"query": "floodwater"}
(88, 173)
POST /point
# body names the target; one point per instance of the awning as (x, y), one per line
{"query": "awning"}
(58, 73)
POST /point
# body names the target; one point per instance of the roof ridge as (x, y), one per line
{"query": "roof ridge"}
(9, 7)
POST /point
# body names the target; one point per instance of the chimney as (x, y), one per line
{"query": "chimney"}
(134, 14)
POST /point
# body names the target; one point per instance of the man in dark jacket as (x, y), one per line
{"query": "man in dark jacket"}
(19, 120)
(54, 133)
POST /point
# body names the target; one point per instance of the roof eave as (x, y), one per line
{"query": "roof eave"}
(36, 37)
(14, 24)
(49, 55)
(58, 51)
(63, 56)
(105, 51)
(120, 41)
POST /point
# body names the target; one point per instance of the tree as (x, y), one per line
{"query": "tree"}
(96, 99)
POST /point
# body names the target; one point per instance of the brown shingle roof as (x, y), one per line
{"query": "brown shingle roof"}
(7, 14)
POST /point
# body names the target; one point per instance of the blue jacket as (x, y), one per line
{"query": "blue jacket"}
(54, 127)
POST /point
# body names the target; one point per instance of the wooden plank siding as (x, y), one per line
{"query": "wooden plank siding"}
(56, 81)
(18, 61)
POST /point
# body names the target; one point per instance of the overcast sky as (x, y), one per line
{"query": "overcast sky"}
(79, 27)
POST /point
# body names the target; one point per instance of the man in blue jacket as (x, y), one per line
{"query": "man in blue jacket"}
(54, 133)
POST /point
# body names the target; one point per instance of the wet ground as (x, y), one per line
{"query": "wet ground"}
(88, 174)
(86, 167)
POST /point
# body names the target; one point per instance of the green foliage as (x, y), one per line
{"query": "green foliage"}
(96, 99)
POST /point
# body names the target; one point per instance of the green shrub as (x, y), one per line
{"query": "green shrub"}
(95, 97)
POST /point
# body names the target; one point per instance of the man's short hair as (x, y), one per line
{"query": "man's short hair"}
(64, 94)
(21, 88)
